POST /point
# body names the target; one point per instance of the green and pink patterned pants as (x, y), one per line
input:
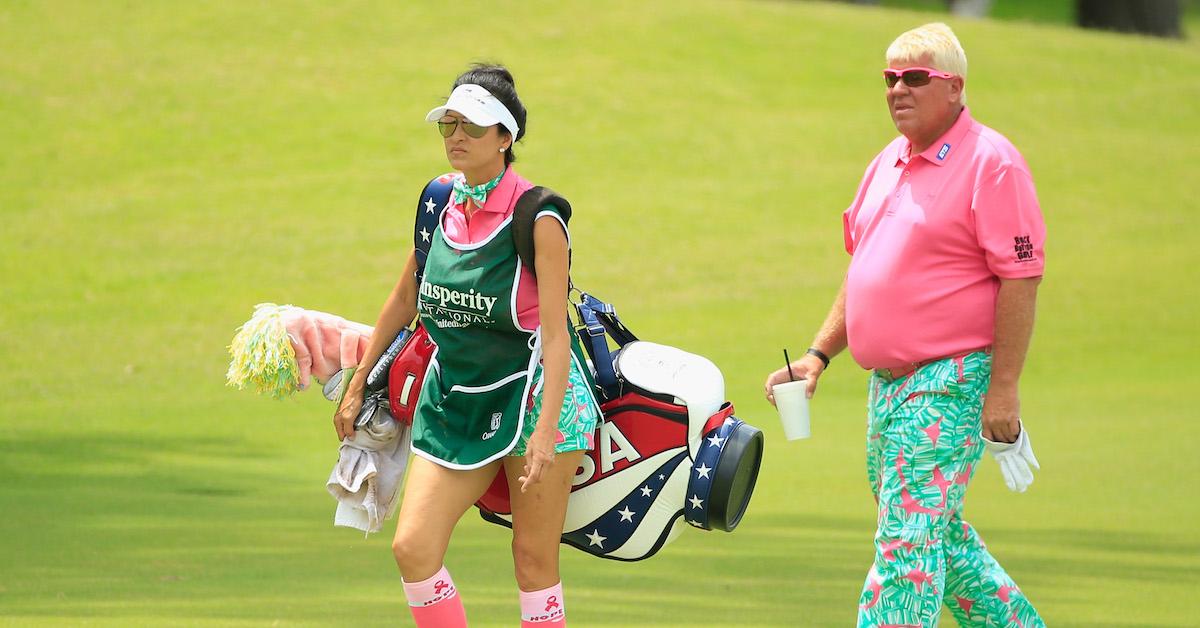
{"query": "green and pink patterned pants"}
(923, 443)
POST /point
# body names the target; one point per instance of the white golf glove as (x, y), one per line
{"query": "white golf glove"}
(1015, 460)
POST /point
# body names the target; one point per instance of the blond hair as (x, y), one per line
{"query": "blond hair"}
(936, 42)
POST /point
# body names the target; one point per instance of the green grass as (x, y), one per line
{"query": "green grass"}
(165, 166)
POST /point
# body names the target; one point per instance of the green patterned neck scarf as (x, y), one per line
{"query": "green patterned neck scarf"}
(477, 193)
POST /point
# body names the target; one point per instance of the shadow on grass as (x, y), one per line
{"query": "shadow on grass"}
(111, 526)
(1107, 541)
(138, 464)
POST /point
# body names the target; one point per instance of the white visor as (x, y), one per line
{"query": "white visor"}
(479, 106)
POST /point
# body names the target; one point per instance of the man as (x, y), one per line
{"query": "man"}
(946, 241)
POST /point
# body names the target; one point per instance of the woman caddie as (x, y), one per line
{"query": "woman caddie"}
(507, 390)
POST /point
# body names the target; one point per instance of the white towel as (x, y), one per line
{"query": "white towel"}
(369, 472)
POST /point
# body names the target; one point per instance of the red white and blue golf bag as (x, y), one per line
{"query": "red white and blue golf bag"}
(668, 448)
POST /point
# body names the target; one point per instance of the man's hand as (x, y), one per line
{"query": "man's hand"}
(1015, 460)
(1001, 414)
(808, 367)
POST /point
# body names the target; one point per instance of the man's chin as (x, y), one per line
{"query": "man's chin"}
(904, 124)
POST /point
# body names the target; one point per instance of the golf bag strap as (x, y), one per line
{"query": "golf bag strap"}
(429, 211)
(436, 195)
(606, 317)
(717, 420)
(594, 342)
(529, 205)
(599, 320)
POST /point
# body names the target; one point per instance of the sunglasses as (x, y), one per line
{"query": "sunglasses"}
(913, 77)
(446, 127)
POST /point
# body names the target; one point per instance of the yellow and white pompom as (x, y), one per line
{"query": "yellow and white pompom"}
(262, 356)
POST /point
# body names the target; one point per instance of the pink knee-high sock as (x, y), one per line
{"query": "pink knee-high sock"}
(543, 609)
(435, 602)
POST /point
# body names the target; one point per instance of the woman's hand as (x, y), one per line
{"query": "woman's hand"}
(347, 412)
(539, 455)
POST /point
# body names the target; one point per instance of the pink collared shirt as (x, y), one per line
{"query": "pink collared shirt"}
(931, 235)
(484, 223)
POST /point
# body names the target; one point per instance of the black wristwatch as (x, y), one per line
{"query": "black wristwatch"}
(820, 355)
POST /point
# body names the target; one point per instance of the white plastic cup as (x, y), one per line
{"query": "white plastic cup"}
(791, 399)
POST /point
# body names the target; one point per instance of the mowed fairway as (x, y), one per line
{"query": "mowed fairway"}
(165, 166)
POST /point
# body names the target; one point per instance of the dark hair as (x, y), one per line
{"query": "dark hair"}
(499, 81)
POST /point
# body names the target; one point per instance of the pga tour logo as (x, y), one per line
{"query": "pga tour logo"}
(496, 416)
(942, 153)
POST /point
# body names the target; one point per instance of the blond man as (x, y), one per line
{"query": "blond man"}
(946, 242)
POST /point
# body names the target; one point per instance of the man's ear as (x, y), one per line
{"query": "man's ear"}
(957, 85)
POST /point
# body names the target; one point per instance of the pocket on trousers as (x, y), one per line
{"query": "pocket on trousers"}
(937, 378)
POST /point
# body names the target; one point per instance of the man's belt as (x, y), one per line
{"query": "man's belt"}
(895, 373)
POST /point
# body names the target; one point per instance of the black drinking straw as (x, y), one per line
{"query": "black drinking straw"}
(791, 375)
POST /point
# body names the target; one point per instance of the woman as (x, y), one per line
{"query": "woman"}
(507, 390)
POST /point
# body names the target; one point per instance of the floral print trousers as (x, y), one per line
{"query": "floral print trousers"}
(923, 444)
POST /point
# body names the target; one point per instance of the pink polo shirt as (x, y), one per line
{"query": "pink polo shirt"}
(484, 223)
(931, 235)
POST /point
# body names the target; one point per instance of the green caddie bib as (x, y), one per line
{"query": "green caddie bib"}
(476, 391)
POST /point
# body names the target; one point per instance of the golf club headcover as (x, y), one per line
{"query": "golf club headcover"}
(324, 343)
(282, 347)
(1015, 460)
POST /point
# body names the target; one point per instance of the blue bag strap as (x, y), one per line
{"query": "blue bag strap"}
(429, 210)
(600, 321)
(594, 342)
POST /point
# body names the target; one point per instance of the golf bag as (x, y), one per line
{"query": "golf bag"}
(668, 447)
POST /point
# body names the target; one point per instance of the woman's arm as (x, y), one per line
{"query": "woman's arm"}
(398, 311)
(550, 261)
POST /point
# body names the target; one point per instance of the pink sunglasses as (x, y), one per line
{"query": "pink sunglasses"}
(913, 77)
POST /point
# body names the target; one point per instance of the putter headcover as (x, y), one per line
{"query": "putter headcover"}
(282, 347)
